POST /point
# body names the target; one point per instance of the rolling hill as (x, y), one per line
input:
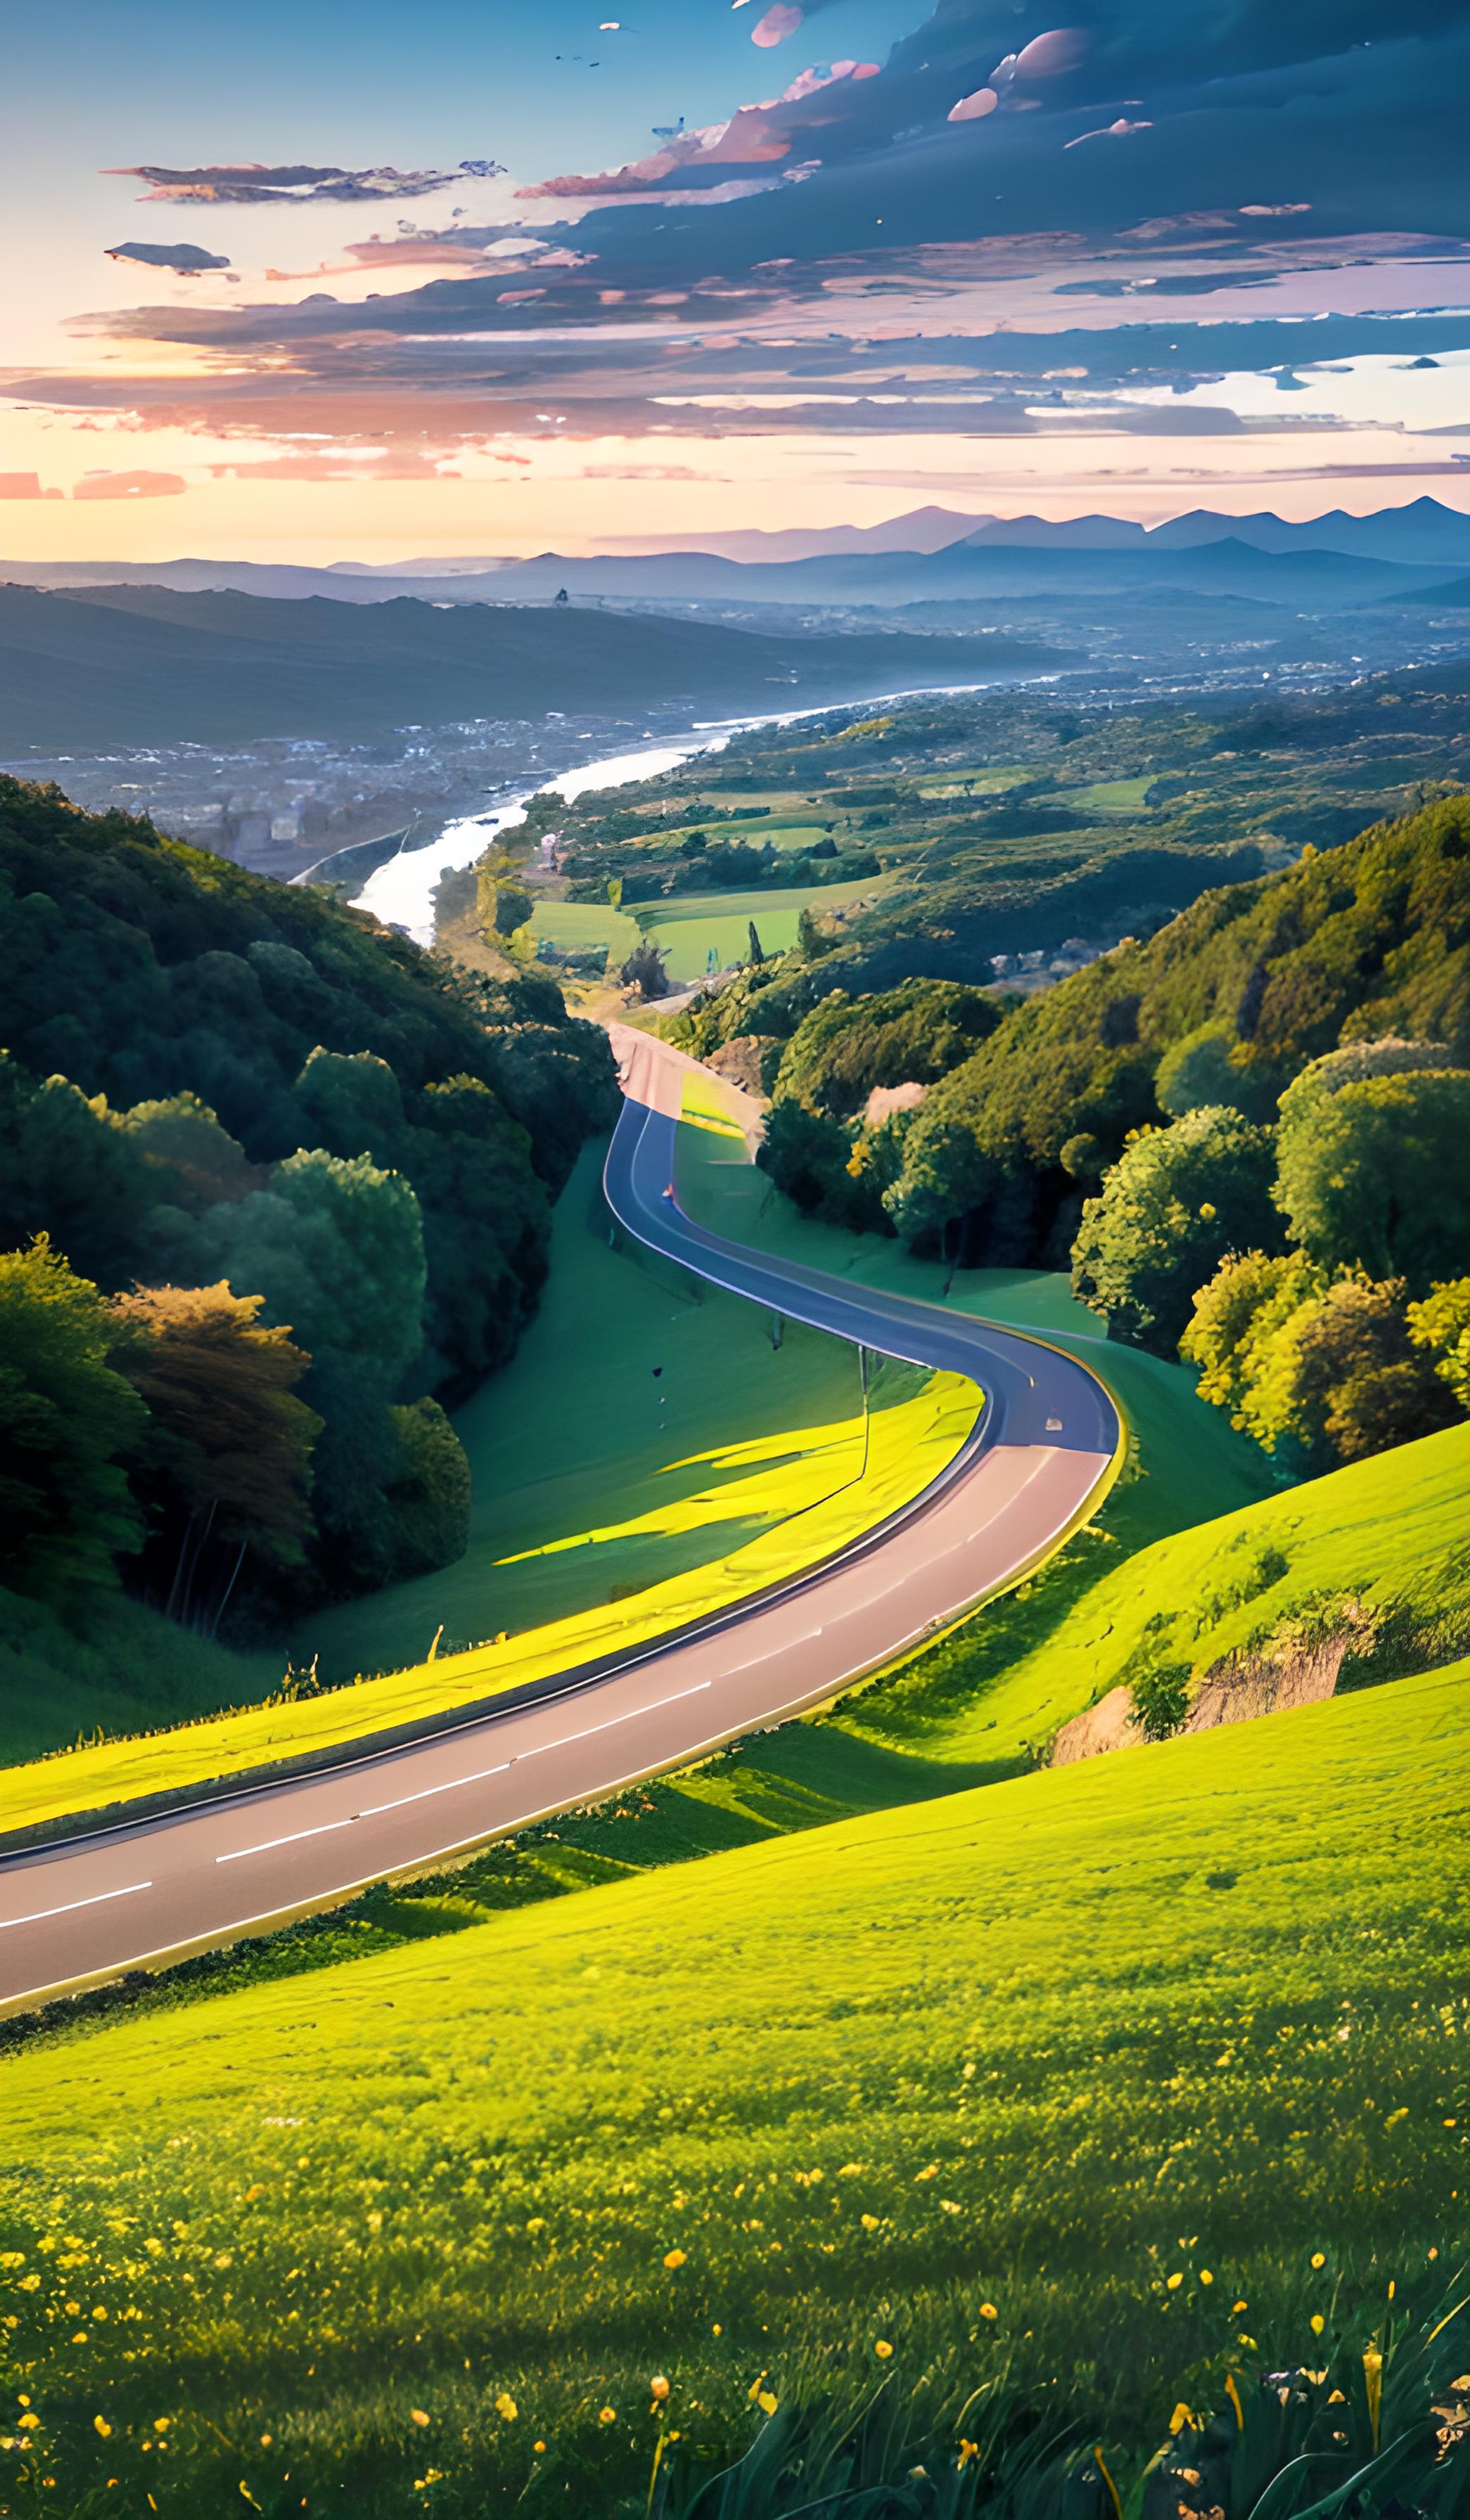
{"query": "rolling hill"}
(147, 664)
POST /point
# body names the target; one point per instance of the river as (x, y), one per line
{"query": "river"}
(400, 892)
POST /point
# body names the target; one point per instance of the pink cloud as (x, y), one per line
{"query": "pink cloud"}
(973, 108)
(24, 485)
(776, 24)
(1047, 56)
(129, 485)
(1118, 130)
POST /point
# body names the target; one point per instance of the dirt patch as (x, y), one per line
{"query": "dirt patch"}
(738, 1061)
(1233, 1690)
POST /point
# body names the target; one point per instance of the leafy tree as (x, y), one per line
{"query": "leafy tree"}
(336, 1248)
(1177, 1201)
(225, 1468)
(1207, 1067)
(431, 1494)
(501, 907)
(812, 942)
(1440, 1326)
(191, 1160)
(646, 970)
(1319, 1372)
(912, 1035)
(1372, 1167)
(66, 1420)
(65, 1171)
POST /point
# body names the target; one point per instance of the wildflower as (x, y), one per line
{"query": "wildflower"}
(659, 2387)
(883, 2349)
(1373, 2373)
(538, 2447)
(416, 2415)
(1318, 2322)
(102, 2428)
(1236, 2306)
(968, 2449)
(870, 2222)
(265, 2441)
(988, 2310)
(675, 2258)
(609, 2415)
(767, 2402)
(1175, 2282)
(506, 2408)
(1317, 2260)
(28, 2423)
(1205, 2276)
(1181, 2417)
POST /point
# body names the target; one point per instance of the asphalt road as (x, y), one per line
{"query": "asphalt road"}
(81, 1910)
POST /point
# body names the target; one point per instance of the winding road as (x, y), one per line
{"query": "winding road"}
(85, 1909)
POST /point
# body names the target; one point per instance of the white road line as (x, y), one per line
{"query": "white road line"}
(632, 1713)
(322, 1829)
(375, 1809)
(96, 1900)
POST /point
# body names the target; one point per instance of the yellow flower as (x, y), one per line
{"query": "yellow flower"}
(28, 2423)
(988, 2310)
(1181, 2417)
(658, 2386)
(416, 2415)
(1318, 2322)
(870, 2222)
(265, 2439)
(767, 2402)
(1175, 2282)
(506, 2408)
(675, 2258)
(1372, 2374)
(102, 2427)
(1318, 2258)
(1205, 2276)
(968, 2449)
(538, 2447)
(883, 2349)
(609, 2415)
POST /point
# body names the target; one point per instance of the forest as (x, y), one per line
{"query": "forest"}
(275, 1186)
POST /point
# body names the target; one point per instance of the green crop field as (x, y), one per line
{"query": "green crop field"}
(691, 926)
(1107, 2058)
(1110, 795)
(576, 926)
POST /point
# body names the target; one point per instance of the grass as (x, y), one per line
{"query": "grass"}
(576, 926)
(1111, 795)
(1043, 2079)
(689, 927)
(557, 1574)
(105, 1667)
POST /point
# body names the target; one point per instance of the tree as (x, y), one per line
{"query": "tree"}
(756, 952)
(64, 1170)
(1177, 1201)
(500, 907)
(336, 1248)
(1440, 1326)
(646, 970)
(1319, 1371)
(1372, 1166)
(67, 1422)
(1208, 1067)
(225, 1466)
(812, 941)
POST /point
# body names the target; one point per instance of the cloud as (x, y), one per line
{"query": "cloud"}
(24, 485)
(338, 466)
(254, 182)
(129, 485)
(185, 259)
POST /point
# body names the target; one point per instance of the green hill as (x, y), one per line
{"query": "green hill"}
(1053, 2077)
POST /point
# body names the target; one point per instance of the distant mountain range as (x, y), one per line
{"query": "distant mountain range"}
(1326, 564)
(89, 668)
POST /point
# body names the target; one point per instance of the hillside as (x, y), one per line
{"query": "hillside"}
(1106, 2050)
(139, 664)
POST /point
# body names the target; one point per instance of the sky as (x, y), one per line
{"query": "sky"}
(315, 281)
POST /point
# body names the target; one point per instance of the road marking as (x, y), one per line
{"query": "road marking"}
(632, 1712)
(322, 1829)
(374, 1809)
(95, 1899)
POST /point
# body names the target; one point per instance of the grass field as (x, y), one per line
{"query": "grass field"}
(1082, 2073)
(691, 926)
(1111, 795)
(579, 925)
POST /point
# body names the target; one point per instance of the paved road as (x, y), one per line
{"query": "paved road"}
(85, 1910)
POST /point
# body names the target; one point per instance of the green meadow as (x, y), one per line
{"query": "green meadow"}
(1111, 2072)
